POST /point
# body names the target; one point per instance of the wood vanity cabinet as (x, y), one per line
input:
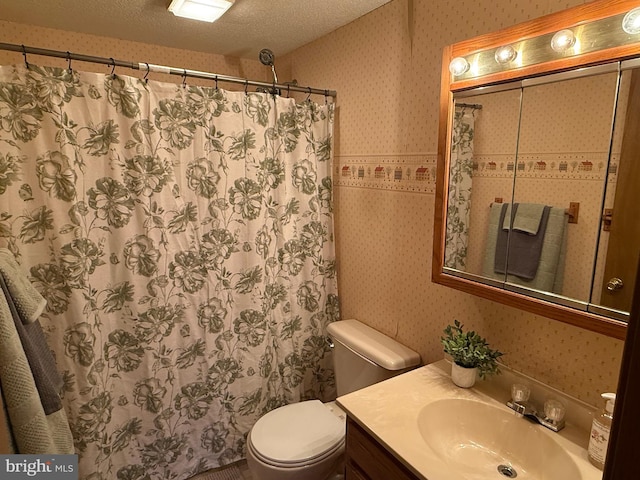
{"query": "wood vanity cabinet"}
(366, 459)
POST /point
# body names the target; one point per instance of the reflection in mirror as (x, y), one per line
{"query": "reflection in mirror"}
(619, 245)
(484, 137)
(563, 152)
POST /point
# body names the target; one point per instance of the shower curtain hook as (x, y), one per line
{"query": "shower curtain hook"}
(216, 79)
(146, 75)
(24, 54)
(69, 62)
(326, 97)
(113, 66)
(309, 95)
(246, 85)
(184, 78)
(288, 90)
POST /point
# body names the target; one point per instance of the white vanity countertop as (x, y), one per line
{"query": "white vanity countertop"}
(389, 411)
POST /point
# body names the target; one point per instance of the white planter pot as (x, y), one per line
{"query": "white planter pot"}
(462, 376)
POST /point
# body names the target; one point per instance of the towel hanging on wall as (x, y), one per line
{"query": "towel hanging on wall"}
(524, 248)
(550, 273)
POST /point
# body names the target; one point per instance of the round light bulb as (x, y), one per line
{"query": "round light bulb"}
(631, 22)
(458, 66)
(563, 40)
(505, 54)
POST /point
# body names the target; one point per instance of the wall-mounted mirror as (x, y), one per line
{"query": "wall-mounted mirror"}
(539, 164)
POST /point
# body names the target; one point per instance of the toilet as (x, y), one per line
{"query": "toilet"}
(305, 441)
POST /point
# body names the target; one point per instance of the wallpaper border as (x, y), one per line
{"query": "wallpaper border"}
(413, 172)
(416, 172)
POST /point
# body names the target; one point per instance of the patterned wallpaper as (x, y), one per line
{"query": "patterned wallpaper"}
(386, 69)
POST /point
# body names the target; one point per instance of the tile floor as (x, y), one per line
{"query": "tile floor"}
(244, 470)
(237, 471)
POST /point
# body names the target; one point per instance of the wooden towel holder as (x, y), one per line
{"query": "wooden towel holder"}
(572, 211)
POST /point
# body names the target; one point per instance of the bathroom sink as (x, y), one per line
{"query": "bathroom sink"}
(481, 441)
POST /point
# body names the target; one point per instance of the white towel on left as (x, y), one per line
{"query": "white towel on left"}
(28, 301)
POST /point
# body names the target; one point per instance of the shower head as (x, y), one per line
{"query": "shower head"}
(266, 57)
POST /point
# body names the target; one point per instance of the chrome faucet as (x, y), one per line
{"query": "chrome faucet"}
(551, 416)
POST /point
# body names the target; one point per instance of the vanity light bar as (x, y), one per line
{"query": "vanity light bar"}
(617, 30)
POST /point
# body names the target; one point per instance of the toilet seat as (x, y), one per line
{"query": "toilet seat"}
(297, 434)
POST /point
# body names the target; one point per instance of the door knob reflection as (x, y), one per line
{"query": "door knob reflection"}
(615, 284)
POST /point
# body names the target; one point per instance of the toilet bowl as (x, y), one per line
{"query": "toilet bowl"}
(306, 440)
(301, 441)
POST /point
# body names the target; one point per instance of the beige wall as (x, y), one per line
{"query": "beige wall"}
(386, 69)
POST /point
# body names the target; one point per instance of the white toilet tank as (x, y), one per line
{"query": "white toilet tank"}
(363, 356)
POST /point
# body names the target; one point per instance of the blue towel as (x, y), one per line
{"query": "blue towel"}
(529, 218)
(524, 249)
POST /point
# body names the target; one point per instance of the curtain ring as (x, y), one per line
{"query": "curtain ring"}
(113, 66)
(24, 54)
(146, 75)
(184, 78)
(69, 62)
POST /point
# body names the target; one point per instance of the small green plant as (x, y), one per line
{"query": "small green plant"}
(468, 349)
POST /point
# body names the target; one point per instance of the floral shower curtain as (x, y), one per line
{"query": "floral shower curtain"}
(183, 239)
(460, 180)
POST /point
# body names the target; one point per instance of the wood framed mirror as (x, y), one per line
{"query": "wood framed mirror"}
(537, 146)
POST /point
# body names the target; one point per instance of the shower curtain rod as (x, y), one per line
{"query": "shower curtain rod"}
(475, 106)
(149, 67)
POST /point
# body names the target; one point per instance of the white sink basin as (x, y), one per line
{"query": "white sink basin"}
(475, 439)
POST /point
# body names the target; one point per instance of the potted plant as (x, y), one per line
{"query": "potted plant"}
(470, 353)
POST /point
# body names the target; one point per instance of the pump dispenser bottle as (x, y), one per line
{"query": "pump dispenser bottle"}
(600, 430)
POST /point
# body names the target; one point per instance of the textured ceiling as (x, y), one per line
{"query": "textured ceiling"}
(248, 27)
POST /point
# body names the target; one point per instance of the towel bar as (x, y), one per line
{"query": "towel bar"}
(572, 211)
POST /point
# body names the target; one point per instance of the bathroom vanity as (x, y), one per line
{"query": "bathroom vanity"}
(367, 459)
(419, 425)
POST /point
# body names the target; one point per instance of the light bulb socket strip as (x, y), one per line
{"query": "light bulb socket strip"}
(614, 31)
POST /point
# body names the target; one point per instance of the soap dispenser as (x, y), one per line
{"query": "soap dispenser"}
(600, 430)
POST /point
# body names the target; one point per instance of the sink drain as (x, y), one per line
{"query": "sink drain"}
(508, 471)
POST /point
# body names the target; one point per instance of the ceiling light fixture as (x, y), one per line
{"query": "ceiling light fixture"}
(204, 10)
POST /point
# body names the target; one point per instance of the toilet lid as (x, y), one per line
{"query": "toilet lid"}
(297, 432)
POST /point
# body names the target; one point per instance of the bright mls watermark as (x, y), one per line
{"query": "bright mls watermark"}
(39, 467)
